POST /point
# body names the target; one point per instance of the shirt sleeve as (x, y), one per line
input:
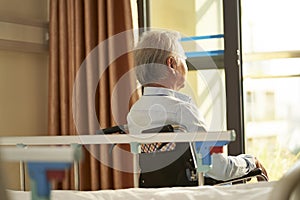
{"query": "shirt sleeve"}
(223, 167)
(229, 167)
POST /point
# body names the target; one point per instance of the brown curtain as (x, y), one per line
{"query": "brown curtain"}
(89, 78)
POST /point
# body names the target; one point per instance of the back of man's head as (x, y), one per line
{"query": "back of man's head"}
(151, 53)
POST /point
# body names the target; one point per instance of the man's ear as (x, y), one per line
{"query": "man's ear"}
(171, 62)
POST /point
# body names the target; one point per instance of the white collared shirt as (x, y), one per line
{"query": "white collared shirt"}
(161, 106)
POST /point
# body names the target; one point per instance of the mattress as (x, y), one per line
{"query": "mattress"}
(251, 191)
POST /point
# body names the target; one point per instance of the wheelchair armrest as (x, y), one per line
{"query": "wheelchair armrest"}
(257, 172)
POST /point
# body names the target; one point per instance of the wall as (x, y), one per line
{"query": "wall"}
(23, 73)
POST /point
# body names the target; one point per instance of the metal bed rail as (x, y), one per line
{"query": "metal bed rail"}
(133, 139)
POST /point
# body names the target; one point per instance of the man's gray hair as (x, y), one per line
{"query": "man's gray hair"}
(151, 53)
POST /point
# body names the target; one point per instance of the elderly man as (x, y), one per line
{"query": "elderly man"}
(161, 69)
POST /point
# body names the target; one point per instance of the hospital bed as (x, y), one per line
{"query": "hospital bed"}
(246, 191)
(280, 190)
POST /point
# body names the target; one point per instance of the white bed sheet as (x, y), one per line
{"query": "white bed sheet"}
(255, 191)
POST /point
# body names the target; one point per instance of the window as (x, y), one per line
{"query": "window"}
(198, 18)
(271, 80)
(271, 71)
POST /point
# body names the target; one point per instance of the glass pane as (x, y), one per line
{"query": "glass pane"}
(270, 25)
(207, 88)
(190, 18)
(272, 82)
(198, 18)
(272, 68)
(272, 119)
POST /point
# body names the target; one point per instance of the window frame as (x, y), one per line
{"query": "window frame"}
(232, 65)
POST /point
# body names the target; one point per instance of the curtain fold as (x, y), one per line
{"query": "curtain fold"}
(80, 29)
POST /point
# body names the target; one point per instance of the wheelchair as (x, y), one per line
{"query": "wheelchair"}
(176, 167)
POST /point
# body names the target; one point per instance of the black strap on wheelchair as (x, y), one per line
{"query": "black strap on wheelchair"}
(160, 129)
(111, 130)
(254, 173)
(121, 129)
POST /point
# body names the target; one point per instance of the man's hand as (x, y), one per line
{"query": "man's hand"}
(259, 165)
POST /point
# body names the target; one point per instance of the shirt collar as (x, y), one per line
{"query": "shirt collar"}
(160, 91)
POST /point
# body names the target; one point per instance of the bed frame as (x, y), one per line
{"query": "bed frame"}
(22, 145)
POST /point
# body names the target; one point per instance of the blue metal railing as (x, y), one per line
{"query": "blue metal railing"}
(203, 37)
(193, 54)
